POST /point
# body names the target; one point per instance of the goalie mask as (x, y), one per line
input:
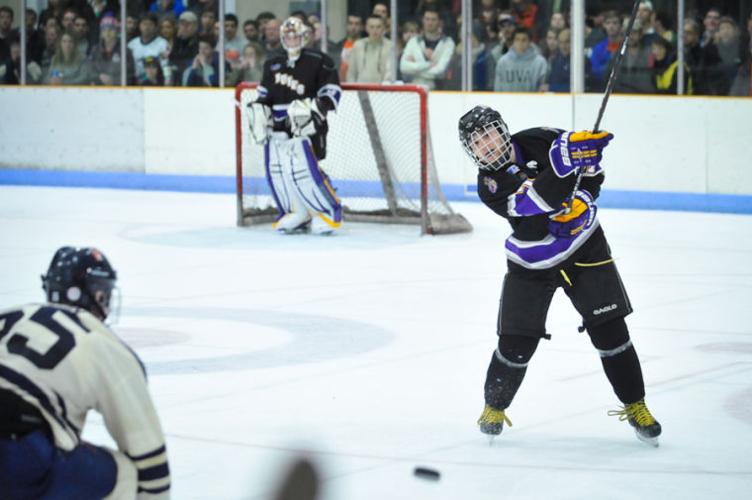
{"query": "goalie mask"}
(485, 138)
(294, 35)
(80, 277)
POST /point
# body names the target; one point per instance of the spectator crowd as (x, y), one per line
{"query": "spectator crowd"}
(515, 46)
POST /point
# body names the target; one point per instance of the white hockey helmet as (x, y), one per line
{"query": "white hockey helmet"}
(294, 35)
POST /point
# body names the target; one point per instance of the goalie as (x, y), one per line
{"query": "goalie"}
(289, 119)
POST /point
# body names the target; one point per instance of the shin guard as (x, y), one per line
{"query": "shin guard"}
(507, 369)
(619, 359)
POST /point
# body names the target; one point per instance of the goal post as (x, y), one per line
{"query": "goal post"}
(378, 157)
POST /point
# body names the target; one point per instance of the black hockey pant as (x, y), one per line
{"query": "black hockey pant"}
(592, 283)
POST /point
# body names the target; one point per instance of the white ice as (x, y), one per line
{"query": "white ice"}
(367, 350)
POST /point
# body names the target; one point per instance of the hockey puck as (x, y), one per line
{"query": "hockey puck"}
(427, 473)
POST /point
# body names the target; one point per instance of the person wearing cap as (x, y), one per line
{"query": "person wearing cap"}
(505, 25)
(105, 56)
(185, 46)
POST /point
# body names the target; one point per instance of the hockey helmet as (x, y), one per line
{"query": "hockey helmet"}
(80, 277)
(485, 138)
(292, 29)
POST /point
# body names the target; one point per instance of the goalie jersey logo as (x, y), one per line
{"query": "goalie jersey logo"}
(286, 80)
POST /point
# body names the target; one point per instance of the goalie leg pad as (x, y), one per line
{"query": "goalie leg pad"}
(313, 186)
(293, 213)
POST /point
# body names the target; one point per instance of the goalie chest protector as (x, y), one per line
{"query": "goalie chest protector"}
(285, 81)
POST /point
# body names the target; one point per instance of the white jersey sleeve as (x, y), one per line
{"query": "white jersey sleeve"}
(65, 362)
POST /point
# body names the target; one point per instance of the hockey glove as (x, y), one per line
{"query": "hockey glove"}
(569, 223)
(259, 120)
(304, 117)
(572, 151)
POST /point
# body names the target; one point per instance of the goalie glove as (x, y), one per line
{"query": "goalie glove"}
(573, 151)
(259, 120)
(568, 223)
(304, 117)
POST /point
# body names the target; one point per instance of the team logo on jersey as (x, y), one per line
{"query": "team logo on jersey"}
(532, 165)
(290, 82)
(490, 184)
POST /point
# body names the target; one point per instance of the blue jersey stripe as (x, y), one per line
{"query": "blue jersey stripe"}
(156, 472)
(149, 454)
(33, 390)
(153, 491)
(64, 409)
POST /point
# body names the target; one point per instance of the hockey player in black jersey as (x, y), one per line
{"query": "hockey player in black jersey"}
(289, 117)
(58, 360)
(529, 178)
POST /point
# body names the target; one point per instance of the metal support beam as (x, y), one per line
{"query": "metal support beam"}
(22, 72)
(577, 76)
(222, 43)
(123, 44)
(680, 74)
(467, 45)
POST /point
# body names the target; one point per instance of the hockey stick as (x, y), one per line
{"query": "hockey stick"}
(607, 93)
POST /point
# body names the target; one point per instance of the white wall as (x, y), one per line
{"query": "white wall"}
(696, 145)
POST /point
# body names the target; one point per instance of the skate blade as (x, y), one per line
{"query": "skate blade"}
(648, 440)
(295, 230)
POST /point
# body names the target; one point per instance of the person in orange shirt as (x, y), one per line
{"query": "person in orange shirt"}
(354, 33)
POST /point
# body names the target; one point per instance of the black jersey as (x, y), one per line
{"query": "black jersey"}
(312, 75)
(527, 192)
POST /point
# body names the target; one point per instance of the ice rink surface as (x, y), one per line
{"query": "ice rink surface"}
(367, 350)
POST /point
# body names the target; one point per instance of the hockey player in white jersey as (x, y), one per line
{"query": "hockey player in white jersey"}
(296, 92)
(58, 361)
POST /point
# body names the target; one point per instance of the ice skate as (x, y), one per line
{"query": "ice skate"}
(492, 420)
(646, 427)
(293, 222)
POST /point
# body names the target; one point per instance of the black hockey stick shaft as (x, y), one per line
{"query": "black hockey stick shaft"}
(616, 66)
(609, 88)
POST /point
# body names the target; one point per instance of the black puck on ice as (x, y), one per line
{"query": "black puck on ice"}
(427, 473)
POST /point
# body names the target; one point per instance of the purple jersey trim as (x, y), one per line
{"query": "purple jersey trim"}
(527, 202)
(548, 252)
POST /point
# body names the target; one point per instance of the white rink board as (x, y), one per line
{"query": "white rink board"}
(692, 145)
(72, 129)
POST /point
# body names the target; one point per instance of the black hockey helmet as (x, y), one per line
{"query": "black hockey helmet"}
(485, 138)
(80, 277)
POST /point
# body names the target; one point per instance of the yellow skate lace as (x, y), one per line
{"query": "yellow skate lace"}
(636, 411)
(493, 416)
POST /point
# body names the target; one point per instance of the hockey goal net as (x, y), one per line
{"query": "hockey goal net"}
(378, 158)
